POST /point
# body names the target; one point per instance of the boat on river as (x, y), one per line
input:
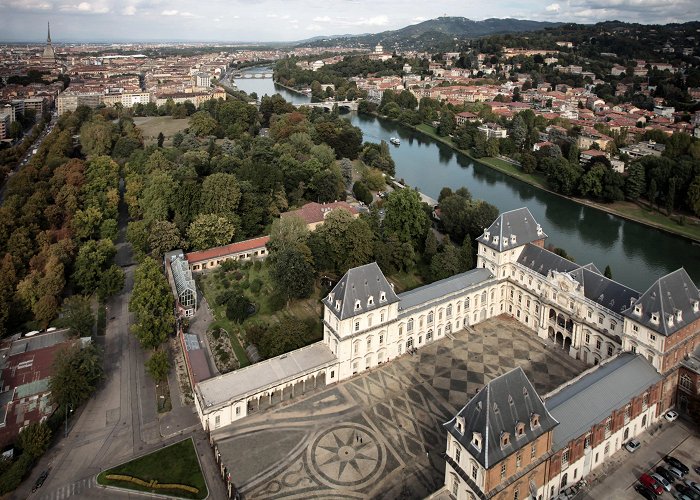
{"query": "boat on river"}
(395, 141)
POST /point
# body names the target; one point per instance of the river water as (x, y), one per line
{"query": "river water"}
(637, 254)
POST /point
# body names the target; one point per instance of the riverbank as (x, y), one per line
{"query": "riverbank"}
(623, 209)
(292, 89)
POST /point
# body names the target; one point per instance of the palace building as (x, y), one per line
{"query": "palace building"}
(507, 437)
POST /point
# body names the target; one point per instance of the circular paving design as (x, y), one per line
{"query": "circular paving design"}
(347, 456)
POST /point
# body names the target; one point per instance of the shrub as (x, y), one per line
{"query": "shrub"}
(257, 265)
(256, 285)
(216, 333)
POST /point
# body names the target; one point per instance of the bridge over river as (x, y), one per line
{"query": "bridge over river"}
(351, 105)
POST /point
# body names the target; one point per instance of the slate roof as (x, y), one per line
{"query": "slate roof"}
(542, 261)
(498, 407)
(512, 229)
(671, 296)
(351, 295)
(594, 395)
(604, 291)
(448, 286)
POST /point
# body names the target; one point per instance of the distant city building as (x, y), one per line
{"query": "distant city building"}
(48, 57)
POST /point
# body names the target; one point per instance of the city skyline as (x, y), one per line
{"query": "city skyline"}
(278, 21)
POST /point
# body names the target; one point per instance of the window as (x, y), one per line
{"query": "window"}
(356, 347)
(357, 326)
(587, 442)
(503, 470)
(369, 343)
(516, 494)
(635, 328)
(518, 459)
(357, 305)
(612, 325)
(590, 313)
(600, 319)
(598, 343)
(455, 486)
(381, 317)
(458, 454)
(430, 317)
(628, 411)
(370, 301)
(217, 421)
(610, 350)
(382, 297)
(332, 373)
(409, 327)
(475, 472)
(686, 382)
(238, 410)
(466, 303)
(369, 320)
(533, 451)
(652, 337)
(381, 339)
(565, 459)
(588, 338)
(449, 311)
(607, 427)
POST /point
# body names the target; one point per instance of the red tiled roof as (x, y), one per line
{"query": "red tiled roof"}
(241, 246)
(314, 212)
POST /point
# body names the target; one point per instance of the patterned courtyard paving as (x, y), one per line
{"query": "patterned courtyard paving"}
(379, 434)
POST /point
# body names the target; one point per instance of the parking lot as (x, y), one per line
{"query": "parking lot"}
(617, 477)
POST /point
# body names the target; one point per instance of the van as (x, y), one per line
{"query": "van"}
(52, 329)
(651, 483)
(31, 334)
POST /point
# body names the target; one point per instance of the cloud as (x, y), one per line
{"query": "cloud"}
(129, 10)
(26, 5)
(322, 19)
(85, 8)
(170, 12)
(553, 7)
(374, 21)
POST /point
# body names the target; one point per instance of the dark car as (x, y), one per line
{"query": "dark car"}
(40, 480)
(687, 491)
(666, 474)
(642, 490)
(677, 464)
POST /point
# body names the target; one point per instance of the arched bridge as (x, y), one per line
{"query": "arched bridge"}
(351, 105)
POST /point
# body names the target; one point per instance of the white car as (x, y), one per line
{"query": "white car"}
(662, 481)
(632, 445)
(671, 415)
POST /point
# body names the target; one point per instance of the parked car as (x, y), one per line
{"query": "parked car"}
(662, 481)
(676, 472)
(676, 463)
(687, 491)
(671, 415)
(651, 483)
(645, 492)
(693, 484)
(632, 445)
(663, 472)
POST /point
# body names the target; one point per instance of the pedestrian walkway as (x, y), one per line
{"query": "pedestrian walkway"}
(78, 489)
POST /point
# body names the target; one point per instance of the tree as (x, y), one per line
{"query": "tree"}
(76, 373)
(237, 307)
(8, 281)
(158, 365)
(466, 255)
(93, 259)
(96, 137)
(292, 271)
(34, 439)
(694, 195)
(431, 245)
(289, 334)
(445, 263)
(341, 242)
(346, 170)
(362, 193)
(373, 179)
(327, 185)
(161, 139)
(447, 123)
(202, 124)
(220, 195)
(163, 237)
(77, 315)
(210, 230)
(608, 272)
(635, 182)
(152, 304)
(287, 232)
(112, 282)
(405, 216)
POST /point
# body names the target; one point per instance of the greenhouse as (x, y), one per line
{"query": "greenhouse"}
(184, 283)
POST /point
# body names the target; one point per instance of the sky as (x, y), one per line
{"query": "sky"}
(288, 20)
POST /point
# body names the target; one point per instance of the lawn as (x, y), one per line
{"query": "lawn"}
(175, 464)
(255, 282)
(151, 126)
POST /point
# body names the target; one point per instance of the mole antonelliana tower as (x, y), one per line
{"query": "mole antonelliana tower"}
(48, 58)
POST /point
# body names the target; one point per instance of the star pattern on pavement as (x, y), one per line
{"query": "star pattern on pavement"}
(346, 455)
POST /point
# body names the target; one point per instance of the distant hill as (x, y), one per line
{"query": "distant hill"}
(435, 32)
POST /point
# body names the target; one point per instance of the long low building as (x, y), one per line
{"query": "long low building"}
(226, 398)
(211, 258)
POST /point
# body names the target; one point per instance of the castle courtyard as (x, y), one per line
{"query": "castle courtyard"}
(379, 434)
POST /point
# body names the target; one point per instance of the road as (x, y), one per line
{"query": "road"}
(25, 159)
(120, 421)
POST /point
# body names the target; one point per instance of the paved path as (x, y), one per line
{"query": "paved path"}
(380, 434)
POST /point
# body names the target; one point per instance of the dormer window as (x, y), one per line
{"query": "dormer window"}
(534, 420)
(539, 230)
(669, 320)
(638, 310)
(505, 243)
(337, 305)
(512, 239)
(505, 439)
(519, 430)
(679, 315)
(358, 305)
(655, 318)
(495, 240)
(487, 235)
(696, 305)
(476, 440)
(370, 301)
(460, 424)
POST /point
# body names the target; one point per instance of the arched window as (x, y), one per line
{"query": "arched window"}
(686, 382)
(466, 303)
(449, 311)
(431, 317)
(409, 327)
(483, 297)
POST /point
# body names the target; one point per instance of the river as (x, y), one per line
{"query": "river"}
(637, 254)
